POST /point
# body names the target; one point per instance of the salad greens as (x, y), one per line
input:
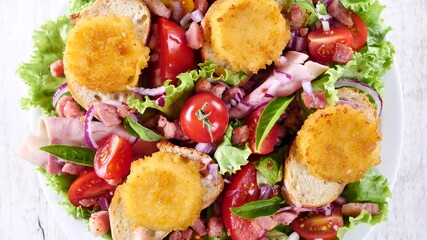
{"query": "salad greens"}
(271, 166)
(258, 208)
(137, 130)
(75, 154)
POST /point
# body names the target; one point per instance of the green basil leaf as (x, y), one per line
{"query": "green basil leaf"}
(137, 130)
(258, 208)
(75, 154)
(269, 117)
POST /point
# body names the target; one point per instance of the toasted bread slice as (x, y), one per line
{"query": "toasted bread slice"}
(123, 227)
(139, 14)
(302, 189)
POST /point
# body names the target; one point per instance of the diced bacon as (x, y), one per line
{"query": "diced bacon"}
(158, 8)
(57, 68)
(267, 223)
(202, 5)
(72, 168)
(303, 32)
(194, 36)
(218, 90)
(343, 53)
(240, 135)
(354, 209)
(171, 130)
(286, 217)
(338, 11)
(298, 16)
(141, 233)
(88, 202)
(67, 107)
(181, 235)
(232, 93)
(315, 100)
(203, 86)
(215, 226)
(107, 114)
(199, 227)
(99, 223)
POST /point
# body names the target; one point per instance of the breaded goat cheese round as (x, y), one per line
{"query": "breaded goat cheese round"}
(104, 54)
(163, 192)
(246, 35)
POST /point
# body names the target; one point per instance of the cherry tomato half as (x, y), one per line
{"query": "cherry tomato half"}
(359, 31)
(88, 186)
(322, 44)
(175, 56)
(313, 225)
(267, 146)
(210, 107)
(242, 189)
(113, 158)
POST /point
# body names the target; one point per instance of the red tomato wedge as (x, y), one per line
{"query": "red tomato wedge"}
(267, 146)
(322, 44)
(242, 189)
(193, 112)
(88, 186)
(113, 158)
(174, 56)
(313, 225)
(359, 32)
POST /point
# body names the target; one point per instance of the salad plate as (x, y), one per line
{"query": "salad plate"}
(391, 147)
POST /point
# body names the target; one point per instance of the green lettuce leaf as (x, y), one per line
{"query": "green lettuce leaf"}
(60, 184)
(372, 188)
(231, 158)
(369, 64)
(207, 70)
(77, 5)
(49, 44)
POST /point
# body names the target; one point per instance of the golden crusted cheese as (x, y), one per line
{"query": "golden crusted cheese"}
(163, 192)
(104, 54)
(246, 34)
(339, 143)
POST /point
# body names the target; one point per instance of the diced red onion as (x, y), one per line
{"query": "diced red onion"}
(325, 210)
(207, 148)
(90, 141)
(362, 87)
(161, 101)
(58, 94)
(293, 236)
(213, 169)
(196, 16)
(300, 44)
(238, 96)
(185, 20)
(149, 91)
(177, 10)
(265, 191)
(325, 26)
(233, 102)
(306, 86)
(103, 203)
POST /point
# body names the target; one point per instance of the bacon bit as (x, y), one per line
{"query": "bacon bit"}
(202, 85)
(199, 227)
(72, 168)
(215, 226)
(338, 11)
(57, 68)
(315, 100)
(343, 53)
(202, 5)
(67, 107)
(99, 223)
(158, 8)
(240, 135)
(354, 209)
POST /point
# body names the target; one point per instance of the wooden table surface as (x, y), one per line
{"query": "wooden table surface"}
(25, 214)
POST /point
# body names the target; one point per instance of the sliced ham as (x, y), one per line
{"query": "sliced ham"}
(107, 114)
(158, 8)
(286, 79)
(194, 36)
(354, 209)
(267, 223)
(343, 53)
(338, 11)
(57, 68)
(99, 223)
(315, 100)
(215, 226)
(285, 217)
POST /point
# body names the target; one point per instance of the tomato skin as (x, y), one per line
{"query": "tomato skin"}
(88, 185)
(322, 44)
(175, 56)
(359, 32)
(113, 158)
(194, 128)
(269, 142)
(311, 225)
(236, 194)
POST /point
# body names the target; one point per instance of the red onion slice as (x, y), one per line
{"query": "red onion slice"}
(362, 87)
(325, 210)
(103, 203)
(58, 94)
(196, 16)
(306, 86)
(90, 141)
(185, 20)
(149, 91)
